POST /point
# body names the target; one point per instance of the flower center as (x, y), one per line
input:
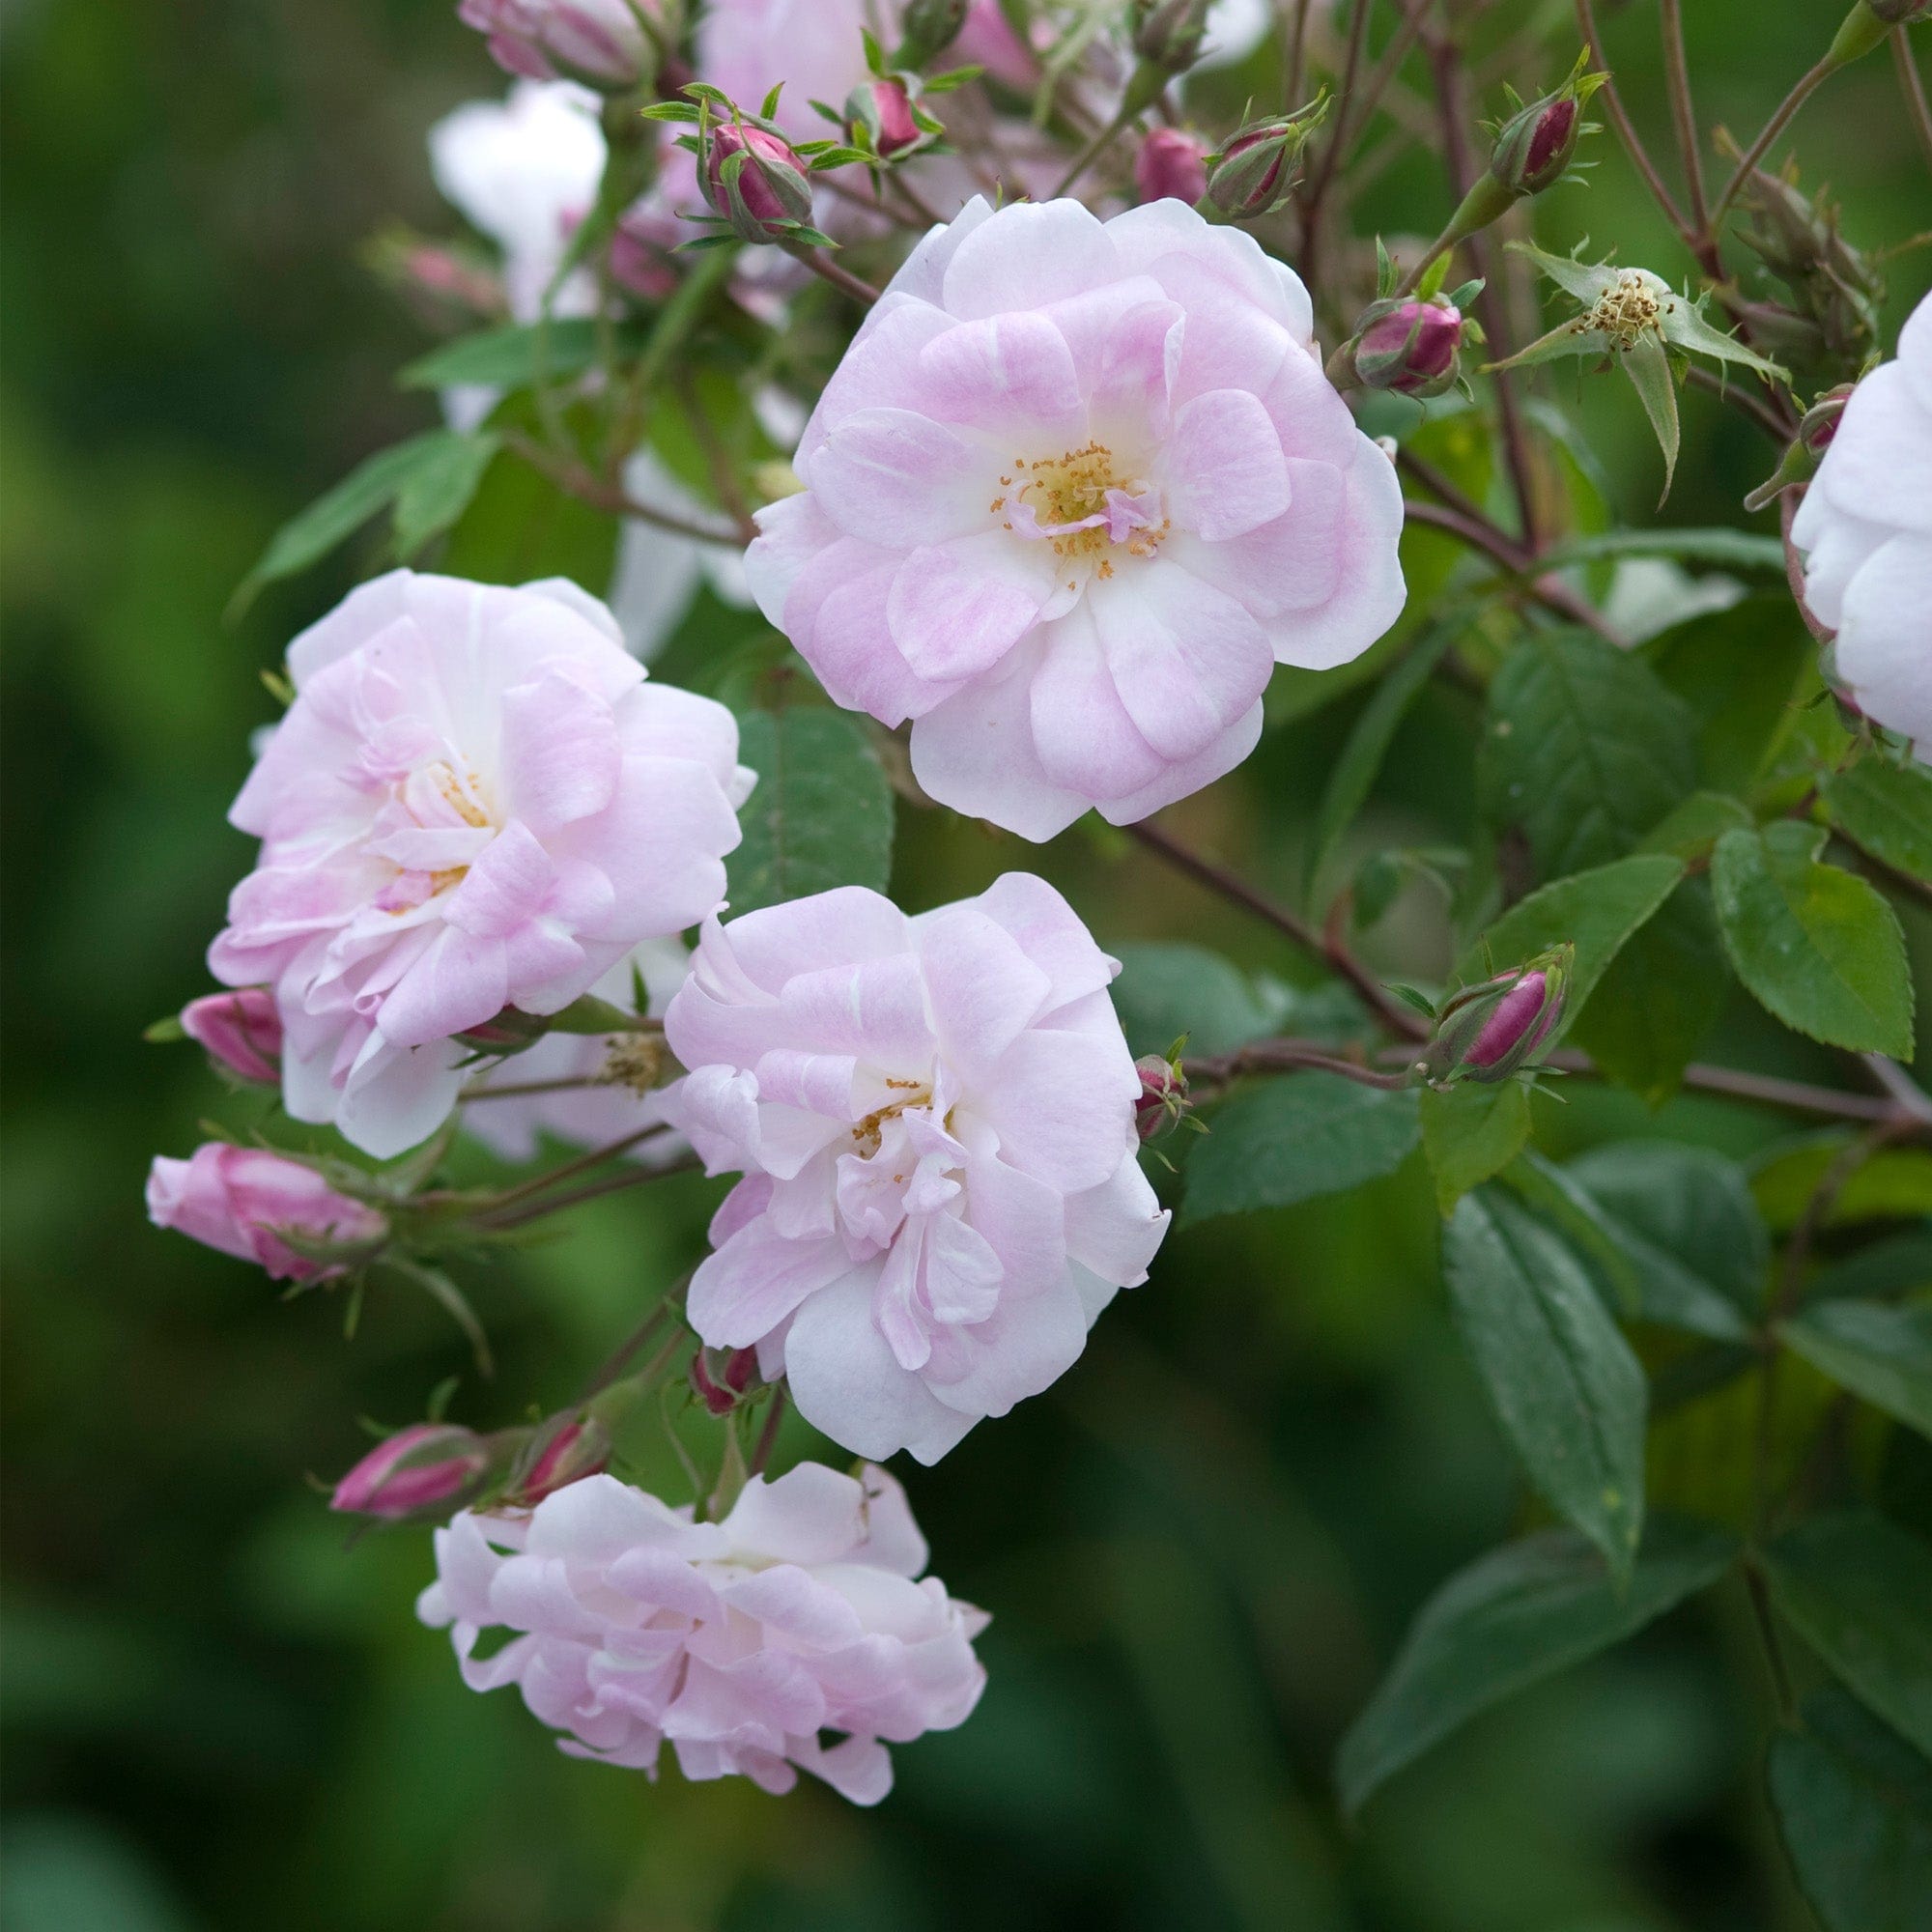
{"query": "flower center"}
(1625, 311)
(1080, 504)
(868, 1134)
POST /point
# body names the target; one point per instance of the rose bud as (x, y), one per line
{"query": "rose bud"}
(567, 1449)
(931, 26)
(1535, 145)
(1168, 33)
(752, 177)
(1172, 165)
(719, 1379)
(1255, 173)
(241, 1032)
(1487, 1033)
(1163, 1098)
(1899, 13)
(1408, 347)
(883, 109)
(420, 1469)
(600, 42)
(1816, 428)
(263, 1207)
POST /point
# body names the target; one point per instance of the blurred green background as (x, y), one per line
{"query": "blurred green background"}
(1200, 1548)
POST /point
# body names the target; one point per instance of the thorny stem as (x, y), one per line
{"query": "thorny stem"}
(1913, 90)
(583, 1163)
(614, 1364)
(768, 1435)
(1481, 534)
(1297, 54)
(577, 479)
(1388, 64)
(614, 1183)
(523, 1089)
(1760, 412)
(1794, 567)
(829, 270)
(1282, 1055)
(1807, 85)
(1398, 1018)
(1683, 111)
(1096, 147)
(1586, 20)
(1331, 154)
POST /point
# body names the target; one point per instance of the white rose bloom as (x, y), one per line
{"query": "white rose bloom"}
(1865, 527)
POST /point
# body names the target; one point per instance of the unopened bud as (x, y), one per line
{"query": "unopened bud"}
(752, 177)
(241, 1032)
(429, 1468)
(721, 1378)
(1899, 13)
(1163, 1098)
(1535, 145)
(883, 109)
(930, 27)
(1408, 347)
(1255, 173)
(565, 1450)
(1816, 428)
(1490, 1031)
(1172, 165)
(1168, 33)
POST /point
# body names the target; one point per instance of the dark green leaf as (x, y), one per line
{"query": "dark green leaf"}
(1471, 1132)
(1690, 1208)
(1697, 825)
(1854, 1808)
(507, 359)
(1886, 809)
(1584, 747)
(1738, 550)
(1878, 1351)
(1167, 989)
(1660, 998)
(1894, 1184)
(1288, 1139)
(1818, 948)
(1597, 911)
(1562, 1380)
(1741, 672)
(1355, 773)
(1514, 1617)
(1855, 1587)
(1898, 1265)
(822, 812)
(438, 491)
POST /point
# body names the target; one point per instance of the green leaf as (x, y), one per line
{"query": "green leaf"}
(1355, 773)
(507, 359)
(1743, 673)
(1288, 1139)
(1738, 550)
(1855, 1587)
(1687, 1216)
(1899, 1264)
(1697, 825)
(1597, 911)
(1564, 1386)
(1818, 948)
(1895, 1184)
(1884, 810)
(1514, 1617)
(438, 491)
(1471, 1132)
(1878, 1351)
(1854, 1808)
(1647, 363)
(368, 489)
(1660, 996)
(1584, 747)
(1167, 989)
(821, 814)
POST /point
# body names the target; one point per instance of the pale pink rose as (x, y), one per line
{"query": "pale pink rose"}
(746, 48)
(514, 1125)
(1866, 525)
(241, 1031)
(601, 41)
(244, 1200)
(475, 801)
(741, 1642)
(935, 1121)
(1075, 491)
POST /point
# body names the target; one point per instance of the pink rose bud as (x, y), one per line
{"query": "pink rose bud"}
(1408, 347)
(1168, 33)
(601, 42)
(1899, 13)
(1172, 165)
(565, 1450)
(1535, 145)
(884, 108)
(1819, 422)
(1800, 462)
(418, 1470)
(930, 27)
(1163, 1098)
(239, 1031)
(720, 1379)
(263, 1207)
(1487, 1033)
(1255, 172)
(752, 177)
